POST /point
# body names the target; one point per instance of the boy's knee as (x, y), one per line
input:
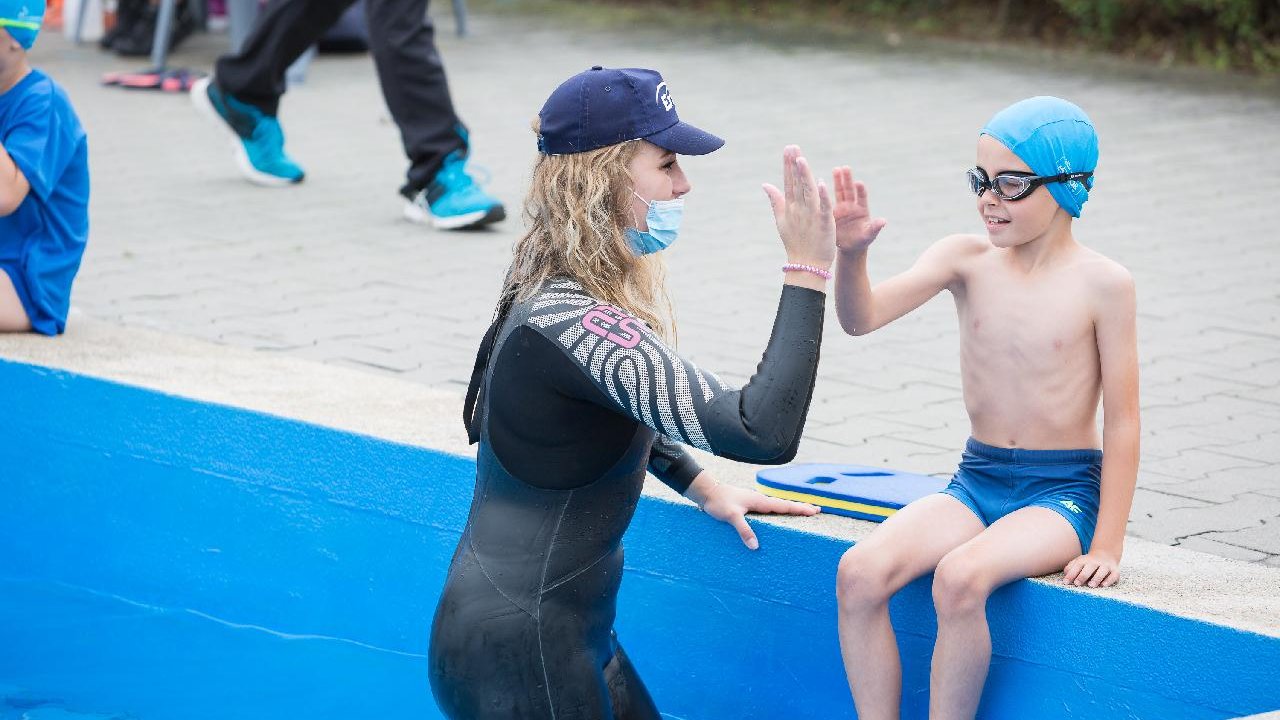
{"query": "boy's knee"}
(863, 578)
(959, 586)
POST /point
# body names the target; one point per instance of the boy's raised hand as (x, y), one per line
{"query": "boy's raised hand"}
(855, 228)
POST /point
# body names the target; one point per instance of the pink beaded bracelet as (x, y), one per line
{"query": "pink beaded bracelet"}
(824, 274)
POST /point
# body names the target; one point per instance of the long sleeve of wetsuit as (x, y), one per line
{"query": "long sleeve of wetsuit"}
(670, 463)
(640, 376)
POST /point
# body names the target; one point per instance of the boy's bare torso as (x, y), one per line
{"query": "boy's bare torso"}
(1029, 357)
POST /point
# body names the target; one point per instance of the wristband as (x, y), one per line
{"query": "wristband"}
(824, 274)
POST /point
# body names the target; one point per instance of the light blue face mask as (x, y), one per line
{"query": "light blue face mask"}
(663, 220)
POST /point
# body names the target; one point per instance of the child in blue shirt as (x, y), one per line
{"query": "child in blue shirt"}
(44, 183)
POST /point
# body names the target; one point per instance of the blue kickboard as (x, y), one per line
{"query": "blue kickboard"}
(860, 491)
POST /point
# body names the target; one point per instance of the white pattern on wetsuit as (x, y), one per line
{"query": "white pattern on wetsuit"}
(635, 382)
(684, 399)
(662, 399)
(582, 353)
(544, 301)
(570, 337)
(649, 374)
(702, 381)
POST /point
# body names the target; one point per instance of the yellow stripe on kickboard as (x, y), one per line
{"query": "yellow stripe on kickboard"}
(826, 501)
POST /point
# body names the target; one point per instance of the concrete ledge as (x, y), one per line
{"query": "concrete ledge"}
(1167, 579)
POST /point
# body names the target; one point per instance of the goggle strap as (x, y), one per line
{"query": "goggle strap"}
(20, 24)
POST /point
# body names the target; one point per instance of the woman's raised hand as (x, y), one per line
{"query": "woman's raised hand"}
(802, 210)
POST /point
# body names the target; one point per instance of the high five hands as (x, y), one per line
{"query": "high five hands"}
(808, 219)
(802, 211)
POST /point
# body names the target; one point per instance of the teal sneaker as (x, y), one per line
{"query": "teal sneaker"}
(256, 136)
(454, 200)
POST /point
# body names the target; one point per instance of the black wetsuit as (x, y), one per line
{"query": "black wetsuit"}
(570, 399)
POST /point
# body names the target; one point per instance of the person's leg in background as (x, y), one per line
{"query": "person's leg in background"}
(244, 94)
(438, 188)
(283, 31)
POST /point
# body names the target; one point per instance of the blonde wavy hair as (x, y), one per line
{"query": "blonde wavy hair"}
(577, 210)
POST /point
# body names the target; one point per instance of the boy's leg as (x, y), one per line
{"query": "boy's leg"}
(909, 544)
(1030, 542)
(283, 31)
(13, 317)
(414, 85)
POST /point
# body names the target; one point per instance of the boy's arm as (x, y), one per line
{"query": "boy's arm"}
(13, 184)
(860, 307)
(1116, 330)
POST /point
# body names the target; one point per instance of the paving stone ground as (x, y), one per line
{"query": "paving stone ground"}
(1186, 198)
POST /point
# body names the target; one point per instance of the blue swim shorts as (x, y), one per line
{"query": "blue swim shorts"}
(993, 482)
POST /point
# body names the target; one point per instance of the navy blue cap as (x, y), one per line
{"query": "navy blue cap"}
(605, 106)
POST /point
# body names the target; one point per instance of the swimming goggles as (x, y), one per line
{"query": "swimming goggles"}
(1015, 185)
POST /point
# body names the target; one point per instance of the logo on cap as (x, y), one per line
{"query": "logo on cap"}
(663, 96)
(1075, 187)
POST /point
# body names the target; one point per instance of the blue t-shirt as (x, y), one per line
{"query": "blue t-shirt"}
(41, 242)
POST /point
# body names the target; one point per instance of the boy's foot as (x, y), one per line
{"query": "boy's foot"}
(256, 136)
(454, 200)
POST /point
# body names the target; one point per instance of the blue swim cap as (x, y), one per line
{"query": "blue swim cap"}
(1052, 136)
(22, 19)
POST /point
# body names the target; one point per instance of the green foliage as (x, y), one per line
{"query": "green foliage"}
(1221, 33)
(1226, 34)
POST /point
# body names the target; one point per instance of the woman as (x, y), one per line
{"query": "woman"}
(575, 393)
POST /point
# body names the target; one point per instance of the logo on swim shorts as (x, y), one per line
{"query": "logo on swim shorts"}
(1071, 506)
(613, 325)
(663, 96)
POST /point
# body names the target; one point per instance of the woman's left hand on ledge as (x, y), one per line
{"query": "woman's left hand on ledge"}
(731, 504)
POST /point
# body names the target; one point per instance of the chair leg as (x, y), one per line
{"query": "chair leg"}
(81, 9)
(160, 45)
(201, 10)
(460, 16)
(240, 17)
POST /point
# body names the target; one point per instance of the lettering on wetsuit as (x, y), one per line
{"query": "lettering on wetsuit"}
(613, 325)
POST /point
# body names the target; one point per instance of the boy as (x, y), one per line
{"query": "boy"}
(1047, 329)
(44, 183)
